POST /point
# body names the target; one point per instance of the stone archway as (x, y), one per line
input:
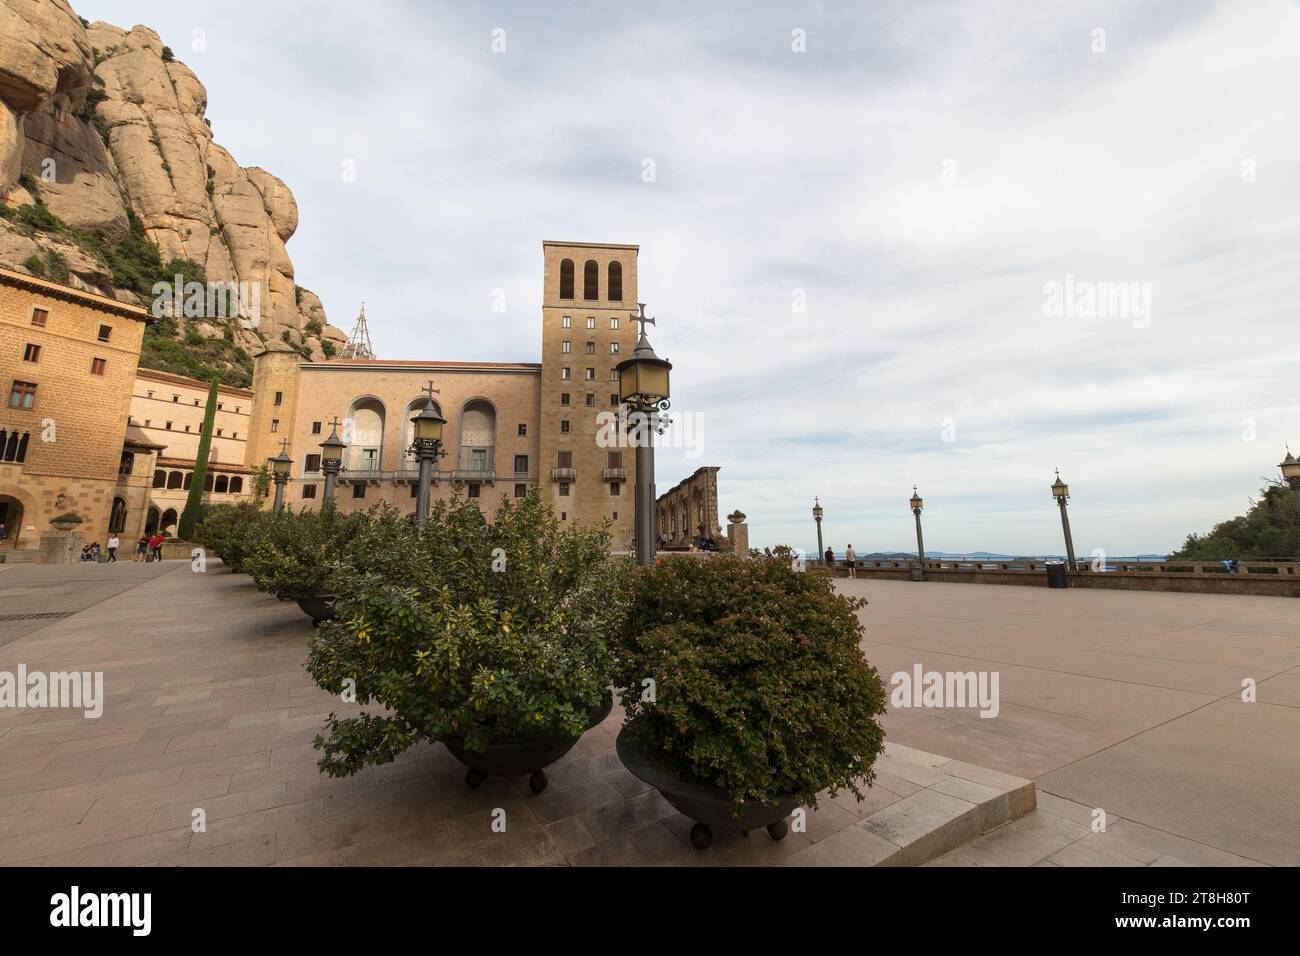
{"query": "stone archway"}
(151, 522)
(11, 516)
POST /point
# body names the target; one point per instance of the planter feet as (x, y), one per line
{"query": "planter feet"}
(474, 777)
(701, 836)
(778, 830)
(537, 782)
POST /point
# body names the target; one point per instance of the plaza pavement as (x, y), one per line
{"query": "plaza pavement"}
(208, 707)
(1123, 701)
(1120, 700)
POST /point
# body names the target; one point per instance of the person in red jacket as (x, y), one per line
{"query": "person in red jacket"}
(155, 545)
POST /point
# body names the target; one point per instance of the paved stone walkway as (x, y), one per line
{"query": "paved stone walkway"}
(208, 707)
(1126, 701)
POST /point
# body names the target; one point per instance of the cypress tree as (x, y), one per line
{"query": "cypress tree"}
(190, 516)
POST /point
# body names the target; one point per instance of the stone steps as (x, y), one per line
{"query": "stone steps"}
(946, 804)
(8, 556)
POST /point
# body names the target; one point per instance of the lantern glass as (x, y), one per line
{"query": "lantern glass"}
(1060, 489)
(817, 511)
(916, 503)
(331, 449)
(281, 464)
(1290, 467)
(428, 426)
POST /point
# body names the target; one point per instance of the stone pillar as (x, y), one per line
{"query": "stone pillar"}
(737, 534)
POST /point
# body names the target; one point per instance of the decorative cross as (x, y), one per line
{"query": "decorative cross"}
(430, 390)
(642, 317)
(284, 446)
(335, 423)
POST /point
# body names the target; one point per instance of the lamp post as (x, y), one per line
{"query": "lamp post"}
(281, 465)
(917, 503)
(643, 387)
(427, 447)
(817, 516)
(331, 458)
(1061, 492)
(1290, 466)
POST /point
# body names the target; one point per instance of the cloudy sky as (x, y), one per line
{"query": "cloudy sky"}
(859, 220)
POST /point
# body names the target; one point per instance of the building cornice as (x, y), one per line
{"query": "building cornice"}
(154, 375)
(66, 293)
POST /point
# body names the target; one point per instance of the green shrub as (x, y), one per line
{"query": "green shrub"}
(39, 217)
(295, 551)
(35, 265)
(487, 628)
(232, 532)
(167, 54)
(760, 685)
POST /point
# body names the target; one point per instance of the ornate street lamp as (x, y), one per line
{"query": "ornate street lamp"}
(331, 458)
(643, 388)
(1061, 492)
(817, 516)
(427, 447)
(281, 465)
(1290, 466)
(917, 504)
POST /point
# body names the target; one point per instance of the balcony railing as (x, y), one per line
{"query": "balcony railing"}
(613, 474)
(564, 474)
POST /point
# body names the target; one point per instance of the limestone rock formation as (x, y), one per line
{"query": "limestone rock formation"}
(100, 127)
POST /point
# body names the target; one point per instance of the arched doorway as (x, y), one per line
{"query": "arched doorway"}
(151, 522)
(364, 432)
(168, 522)
(11, 516)
(477, 434)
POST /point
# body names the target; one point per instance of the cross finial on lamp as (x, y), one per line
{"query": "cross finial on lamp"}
(430, 390)
(335, 423)
(641, 317)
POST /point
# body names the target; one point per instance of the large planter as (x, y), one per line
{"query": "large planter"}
(318, 607)
(709, 806)
(65, 525)
(514, 756)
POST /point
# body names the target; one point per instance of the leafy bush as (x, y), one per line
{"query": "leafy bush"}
(68, 517)
(35, 265)
(232, 532)
(1269, 529)
(486, 628)
(39, 217)
(761, 688)
(295, 551)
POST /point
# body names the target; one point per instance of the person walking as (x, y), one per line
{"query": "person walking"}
(851, 558)
(141, 548)
(113, 545)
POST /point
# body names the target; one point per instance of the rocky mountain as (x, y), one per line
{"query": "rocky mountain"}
(110, 181)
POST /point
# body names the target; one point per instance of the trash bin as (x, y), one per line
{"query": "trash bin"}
(1056, 577)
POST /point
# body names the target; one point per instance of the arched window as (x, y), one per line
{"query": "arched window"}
(207, 482)
(168, 522)
(236, 485)
(174, 480)
(189, 477)
(615, 284)
(364, 428)
(566, 279)
(222, 485)
(160, 479)
(591, 280)
(11, 447)
(117, 517)
(477, 434)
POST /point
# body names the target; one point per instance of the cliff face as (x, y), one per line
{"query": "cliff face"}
(103, 143)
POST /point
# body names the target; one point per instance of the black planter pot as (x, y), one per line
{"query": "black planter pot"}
(709, 806)
(514, 756)
(318, 607)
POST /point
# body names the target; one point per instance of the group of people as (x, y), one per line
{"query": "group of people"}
(850, 560)
(147, 548)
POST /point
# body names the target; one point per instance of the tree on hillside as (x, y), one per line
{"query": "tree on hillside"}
(1269, 529)
(190, 516)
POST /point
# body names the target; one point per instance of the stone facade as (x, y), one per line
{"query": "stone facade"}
(69, 363)
(588, 308)
(690, 509)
